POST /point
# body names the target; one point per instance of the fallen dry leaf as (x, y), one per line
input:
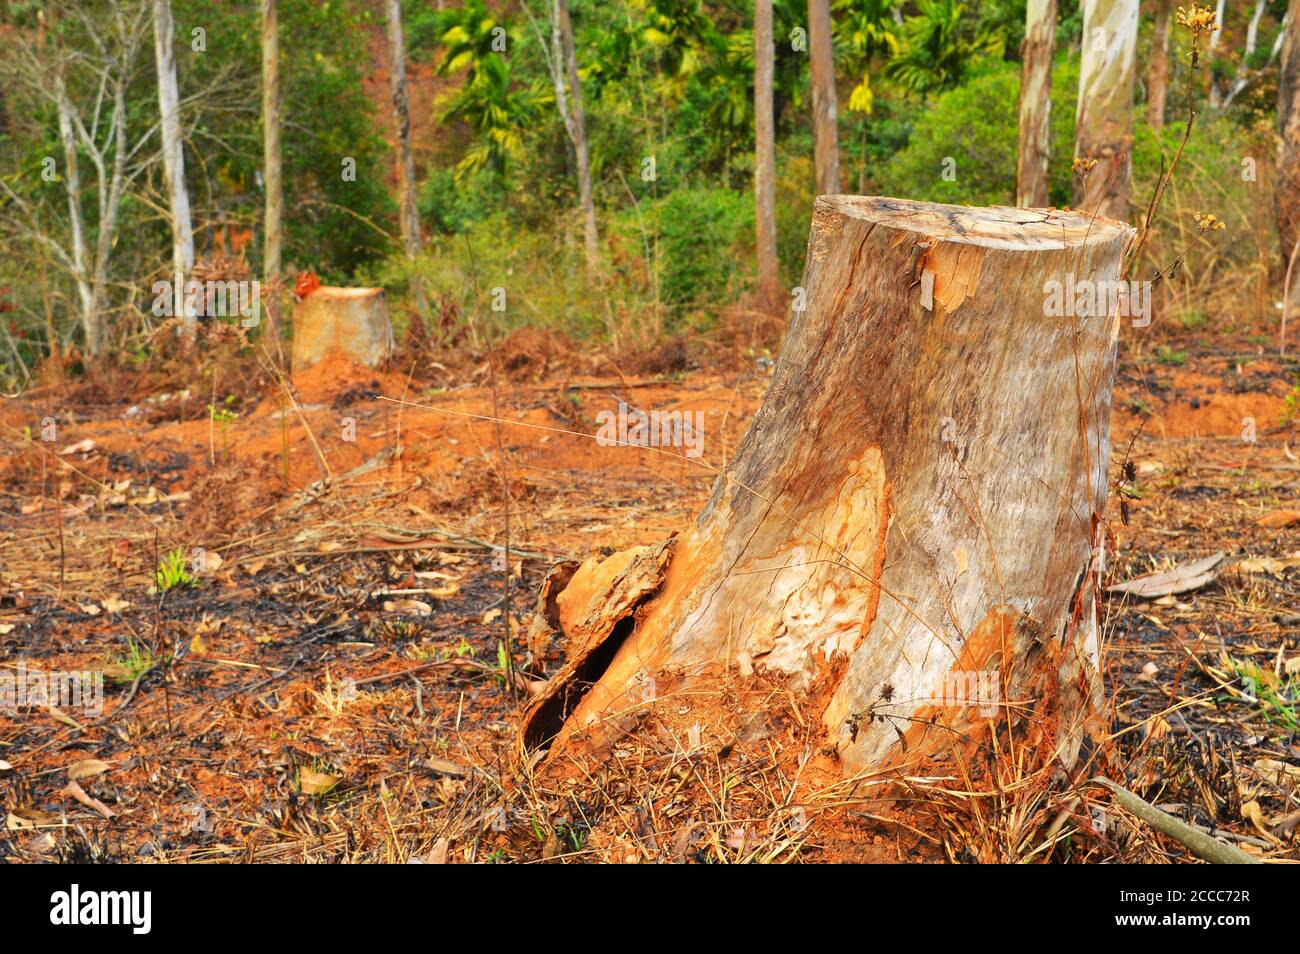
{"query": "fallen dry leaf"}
(435, 575)
(1278, 773)
(438, 856)
(1181, 579)
(445, 767)
(407, 606)
(1255, 815)
(63, 717)
(87, 768)
(81, 447)
(1279, 518)
(316, 783)
(44, 844)
(1271, 565)
(209, 562)
(77, 792)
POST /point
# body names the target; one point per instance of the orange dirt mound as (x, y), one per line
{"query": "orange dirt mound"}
(336, 375)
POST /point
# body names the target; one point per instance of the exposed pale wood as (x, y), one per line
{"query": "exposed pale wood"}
(918, 496)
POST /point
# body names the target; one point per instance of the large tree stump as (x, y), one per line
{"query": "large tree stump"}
(350, 321)
(906, 533)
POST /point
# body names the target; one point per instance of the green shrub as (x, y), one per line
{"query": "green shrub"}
(702, 235)
(976, 125)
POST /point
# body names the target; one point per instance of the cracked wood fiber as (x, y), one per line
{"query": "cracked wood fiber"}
(918, 495)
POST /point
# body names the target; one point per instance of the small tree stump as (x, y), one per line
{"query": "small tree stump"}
(906, 535)
(350, 321)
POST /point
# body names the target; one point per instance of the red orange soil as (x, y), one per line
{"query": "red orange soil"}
(288, 667)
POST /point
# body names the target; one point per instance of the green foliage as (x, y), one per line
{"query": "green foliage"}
(449, 206)
(701, 235)
(976, 126)
(497, 106)
(865, 33)
(172, 572)
(1171, 356)
(940, 44)
(130, 665)
(333, 223)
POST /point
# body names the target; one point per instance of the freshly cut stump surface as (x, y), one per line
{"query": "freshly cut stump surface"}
(352, 322)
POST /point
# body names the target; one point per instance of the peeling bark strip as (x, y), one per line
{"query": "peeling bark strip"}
(913, 508)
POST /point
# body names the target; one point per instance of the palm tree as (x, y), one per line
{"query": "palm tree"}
(498, 111)
(868, 33)
(939, 44)
(496, 107)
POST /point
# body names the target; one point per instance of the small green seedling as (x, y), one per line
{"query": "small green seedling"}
(172, 572)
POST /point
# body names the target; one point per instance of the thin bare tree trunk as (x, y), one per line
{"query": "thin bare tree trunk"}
(564, 66)
(410, 212)
(1243, 76)
(169, 110)
(1104, 124)
(1035, 104)
(111, 198)
(90, 319)
(1158, 68)
(1287, 190)
(769, 280)
(272, 247)
(1216, 98)
(904, 542)
(826, 149)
